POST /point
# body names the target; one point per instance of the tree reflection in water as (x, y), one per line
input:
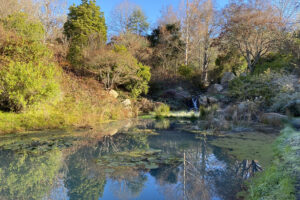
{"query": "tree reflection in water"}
(182, 166)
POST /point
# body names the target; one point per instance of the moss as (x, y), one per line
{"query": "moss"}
(250, 146)
(137, 159)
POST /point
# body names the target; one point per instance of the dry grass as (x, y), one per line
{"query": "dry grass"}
(83, 104)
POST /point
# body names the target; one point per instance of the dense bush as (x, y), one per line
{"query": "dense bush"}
(230, 61)
(162, 110)
(137, 45)
(185, 71)
(140, 86)
(25, 84)
(264, 86)
(118, 68)
(24, 27)
(27, 76)
(274, 62)
(252, 87)
(21, 40)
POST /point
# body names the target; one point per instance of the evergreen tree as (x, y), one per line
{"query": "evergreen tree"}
(138, 22)
(84, 21)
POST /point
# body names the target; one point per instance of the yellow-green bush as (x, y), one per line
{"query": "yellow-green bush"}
(162, 110)
(25, 84)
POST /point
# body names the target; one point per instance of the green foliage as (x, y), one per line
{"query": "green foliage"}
(268, 87)
(84, 21)
(253, 86)
(231, 61)
(20, 23)
(140, 86)
(25, 84)
(274, 62)
(274, 183)
(138, 22)
(26, 77)
(162, 110)
(118, 68)
(185, 71)
(21, 40)
(209, 110)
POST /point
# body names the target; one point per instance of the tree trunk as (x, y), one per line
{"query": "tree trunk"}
(187, 34)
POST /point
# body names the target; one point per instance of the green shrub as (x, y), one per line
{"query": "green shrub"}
(253, 86)
(21, 40)
(206, 111)
(116, 67)
(25, 84)
(140, 85)
(231, 61)
(185, 71)
(162, 110)
(265, 87)
(24, 27)
(274, 62)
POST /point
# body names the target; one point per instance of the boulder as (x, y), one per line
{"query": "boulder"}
(228, 76)
(293, 108)
(219, 124)
(212, 100)
(113, 93)
(215, 89)
(296, 123)
(244, 74)
(203, 101)
(176, 94)
(228, 112)
(274, 119)
(243, 107)
(206, 100)
(246, 110)
(127, 102)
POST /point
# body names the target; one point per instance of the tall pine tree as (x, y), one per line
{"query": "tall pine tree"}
(84, 21)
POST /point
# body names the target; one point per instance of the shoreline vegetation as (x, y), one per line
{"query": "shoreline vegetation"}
(281, 179)
(83, 106)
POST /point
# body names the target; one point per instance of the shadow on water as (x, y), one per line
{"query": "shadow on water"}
(141, 159)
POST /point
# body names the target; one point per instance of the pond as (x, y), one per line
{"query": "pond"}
(140, 159)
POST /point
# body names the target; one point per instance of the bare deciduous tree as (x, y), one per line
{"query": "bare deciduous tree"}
(119, 17)
(52, 14)
(8, 7)
(252, 27)
(287, 9)
(168, 16)
(204, 31)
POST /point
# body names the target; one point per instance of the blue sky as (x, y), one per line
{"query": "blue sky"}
(150, 7)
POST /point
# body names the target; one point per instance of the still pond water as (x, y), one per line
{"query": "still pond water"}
(142, 159)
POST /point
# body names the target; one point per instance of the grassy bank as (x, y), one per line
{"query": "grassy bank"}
(83, 103)
(281, 180)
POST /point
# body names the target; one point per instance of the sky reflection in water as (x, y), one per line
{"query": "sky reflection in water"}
(146, 160)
